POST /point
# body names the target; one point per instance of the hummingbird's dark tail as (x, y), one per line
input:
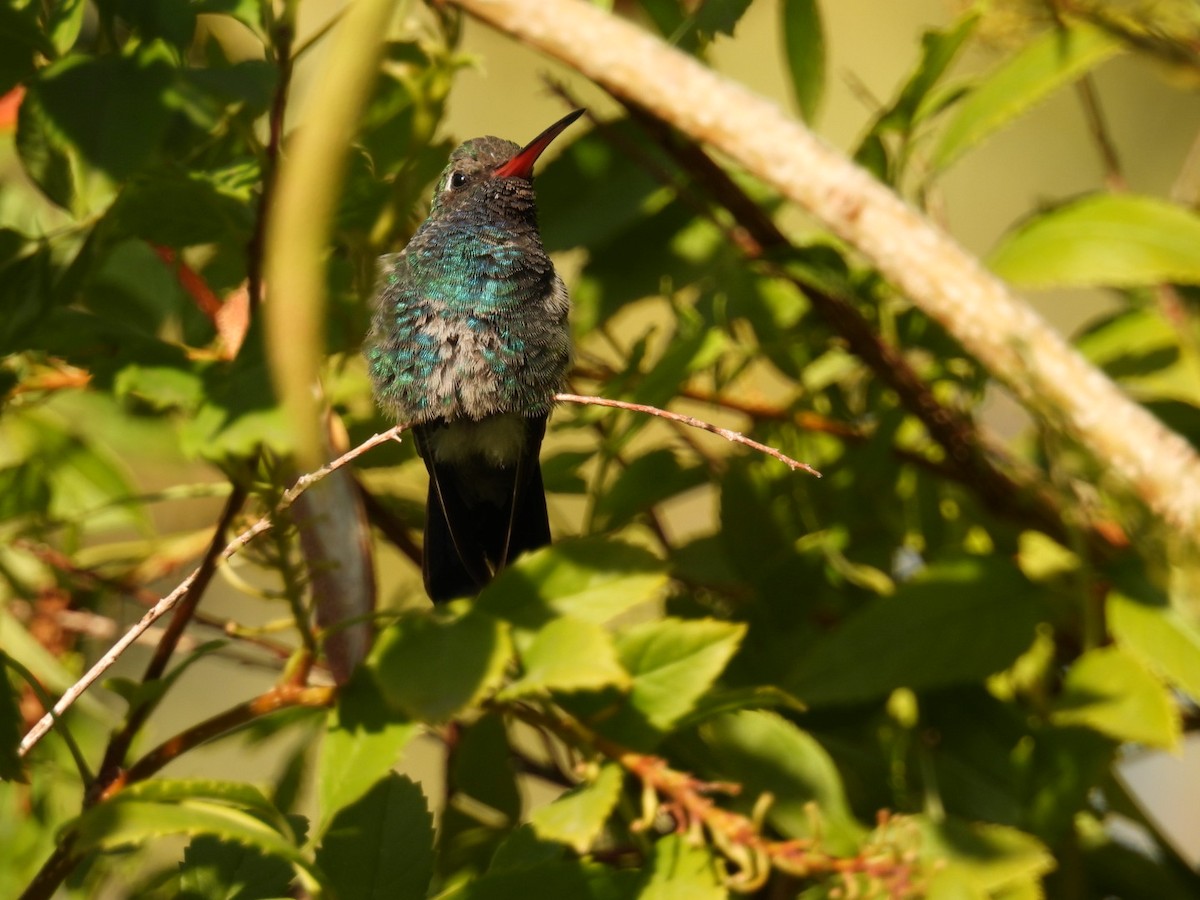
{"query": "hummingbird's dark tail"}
(479, 516)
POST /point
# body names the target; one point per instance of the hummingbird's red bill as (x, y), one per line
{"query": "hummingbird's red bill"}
(521, 165)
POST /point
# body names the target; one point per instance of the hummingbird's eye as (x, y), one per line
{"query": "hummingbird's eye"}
(457, 180)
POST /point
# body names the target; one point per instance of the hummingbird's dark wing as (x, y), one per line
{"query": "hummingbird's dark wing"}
(480, 515)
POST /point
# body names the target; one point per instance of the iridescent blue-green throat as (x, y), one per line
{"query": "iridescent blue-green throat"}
(469, 344)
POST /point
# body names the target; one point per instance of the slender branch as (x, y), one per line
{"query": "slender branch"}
(735, 436)
(167, 603)
(1003, 332)
(281, 696)
(118, 745)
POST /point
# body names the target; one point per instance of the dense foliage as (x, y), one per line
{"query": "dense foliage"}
(915, 676)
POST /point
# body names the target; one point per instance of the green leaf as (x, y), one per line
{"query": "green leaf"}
(234, 793)
(990, 859)
(123, 822)
(363, 741)
(172, 20)
(578, 816)
(46, 154)
(112, 109)
(716, 703)
(567, 655)
(804, 48)
(1109, 691)
(719, 16)
(482, 767)
(674, 661)
(955, 623)
(435, 668)
(1049, 62)
(1110, 240)
(682, 870)
(938, 50)
(593, 579)
(523, 849)
(178, 208)
(382, 845)
(213, 868)
(10, 727)
(64, 21)
(765, 753)
(1159, 637)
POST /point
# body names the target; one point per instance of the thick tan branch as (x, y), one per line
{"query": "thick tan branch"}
(949, 284)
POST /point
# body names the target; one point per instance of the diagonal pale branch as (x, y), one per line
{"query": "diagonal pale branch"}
(949, 284)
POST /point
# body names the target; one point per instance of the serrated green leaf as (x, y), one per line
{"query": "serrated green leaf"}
(674, 661)
(804, 49)
(765, 753)
(364, 740)
(1107, 239)
(1160, 638)
(381, 846)
(567, 655)
(434, 668)
(682, 870)
(593, 579)
(992, 859)
(1108, 690)
(213, 869)
(955, 623)
(577, 817)
(1049, 62)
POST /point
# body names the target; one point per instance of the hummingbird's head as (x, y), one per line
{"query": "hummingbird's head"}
(494, 174)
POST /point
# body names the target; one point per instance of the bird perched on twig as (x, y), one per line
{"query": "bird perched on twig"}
(469, 344)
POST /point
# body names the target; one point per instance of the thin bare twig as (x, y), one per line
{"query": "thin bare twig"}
(167, 603)
(735, 436)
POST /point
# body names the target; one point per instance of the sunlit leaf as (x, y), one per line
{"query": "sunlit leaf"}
(1159, 637)
(682, 870)
(363, 741)
(1049, 62)
(578, 816)
(674, 661)
(1108, 690)
(1107, 239)
(122, 823)
(567, 655)
(991, 859)
(593, 579)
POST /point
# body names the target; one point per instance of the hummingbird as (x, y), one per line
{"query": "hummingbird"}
(469, 344)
